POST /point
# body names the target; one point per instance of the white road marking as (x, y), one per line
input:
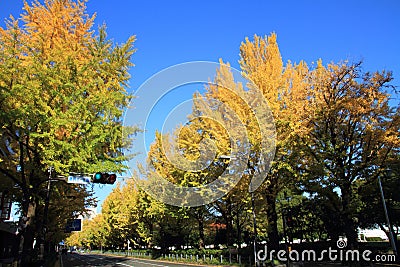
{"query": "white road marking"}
(120, 263)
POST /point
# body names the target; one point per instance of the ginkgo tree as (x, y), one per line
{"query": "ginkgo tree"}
(63, 91)
(188, 140)
(354, 137)
(285, 90)
(335, 128)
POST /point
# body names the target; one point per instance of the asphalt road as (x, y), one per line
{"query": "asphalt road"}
(77, 259)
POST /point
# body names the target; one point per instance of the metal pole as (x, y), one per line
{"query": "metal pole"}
(285, 234)
(45, 216)
(255, 229)
(392, 241)
(47, 200)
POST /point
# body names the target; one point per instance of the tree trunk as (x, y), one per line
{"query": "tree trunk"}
(272, 219)
(350, 227)
(151, 240)
(201, 232)
(229, 225)
(238, 227)
(226, 212)
(27, 233)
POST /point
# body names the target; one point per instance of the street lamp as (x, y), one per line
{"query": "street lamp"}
(255, 227)
(285, 215)
(392, 240)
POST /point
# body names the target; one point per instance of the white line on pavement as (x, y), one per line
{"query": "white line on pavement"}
(120, 263)
(147, 263)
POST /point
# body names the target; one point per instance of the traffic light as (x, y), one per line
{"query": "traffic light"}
(104, 178)
(112, 178)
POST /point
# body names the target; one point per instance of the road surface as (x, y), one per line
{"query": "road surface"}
(82, 259)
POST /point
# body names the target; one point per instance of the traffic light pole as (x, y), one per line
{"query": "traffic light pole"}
(110, 180)
(46, 212)
(45, 216)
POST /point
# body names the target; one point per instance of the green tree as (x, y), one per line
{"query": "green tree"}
(62, 90)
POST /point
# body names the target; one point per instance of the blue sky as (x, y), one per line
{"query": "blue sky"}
(172, 32)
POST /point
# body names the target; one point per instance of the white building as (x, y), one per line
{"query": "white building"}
(363, 234)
